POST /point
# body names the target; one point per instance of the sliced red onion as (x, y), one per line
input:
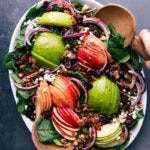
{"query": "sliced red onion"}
(74, 35)
(139, 94)
(64, 2)
(81, 12)
(141, 80)
(30, 25)
(106, 60)
(26, 88)
(82, 85)
(29, 76)
(100, 24)
(133, 76)
(93, 134)
(33, 32)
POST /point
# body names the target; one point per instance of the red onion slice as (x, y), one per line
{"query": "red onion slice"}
(26, 88)
(139, 94)
(64, 2)
(82, 85)
(133, 76)
(141, 80)
(93, 134)
(74, 35)
(100, 24)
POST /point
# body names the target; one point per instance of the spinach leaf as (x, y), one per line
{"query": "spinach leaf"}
(23, 94)
(34, 12)
(46, 131)
(120, 54)
(9, 61)
(134, 60)
(135, 121)
(116, 46)
(15, 77)
(116, 39)
(21, 106)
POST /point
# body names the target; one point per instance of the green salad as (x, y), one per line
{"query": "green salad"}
(75, 79)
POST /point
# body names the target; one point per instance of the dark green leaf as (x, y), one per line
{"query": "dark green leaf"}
(21, 106)
(140, 114)
(15, 77)
(34, 12)
(46, 130)
(23, 94)
(116, 39)
(120, 54)
(134, 61)
(8, 60)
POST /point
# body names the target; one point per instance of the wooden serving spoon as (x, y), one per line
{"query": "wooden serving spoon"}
(124, 22)
(121, 18)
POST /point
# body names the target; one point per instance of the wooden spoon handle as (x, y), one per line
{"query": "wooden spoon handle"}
(141, 44)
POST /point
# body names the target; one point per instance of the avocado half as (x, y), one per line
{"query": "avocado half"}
(104, 96)
(47, 49)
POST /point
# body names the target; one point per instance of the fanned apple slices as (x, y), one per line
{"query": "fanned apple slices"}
(44, 98)
(66, 122)
(62, 92)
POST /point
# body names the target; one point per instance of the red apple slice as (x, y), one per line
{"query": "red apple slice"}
(74, 117)
(57, 114)
(63, 125)
(66, 90)
(72, 86)
(63, 132)
(68, 117)
(62, 122)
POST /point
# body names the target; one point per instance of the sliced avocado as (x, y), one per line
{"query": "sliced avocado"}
(56, 19)
(47, 49)
(104, 96)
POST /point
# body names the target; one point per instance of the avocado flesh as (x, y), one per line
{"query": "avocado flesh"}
(47, 50)
(104, 96)
(56, 19)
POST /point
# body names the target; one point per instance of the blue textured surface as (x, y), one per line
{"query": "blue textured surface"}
(13, 133)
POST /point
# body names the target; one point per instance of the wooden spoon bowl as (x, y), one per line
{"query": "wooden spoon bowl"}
(121, 18)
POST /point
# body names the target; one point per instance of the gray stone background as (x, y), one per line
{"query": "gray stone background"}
(14, 134)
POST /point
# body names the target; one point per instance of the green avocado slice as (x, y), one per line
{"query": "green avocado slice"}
(56, 19)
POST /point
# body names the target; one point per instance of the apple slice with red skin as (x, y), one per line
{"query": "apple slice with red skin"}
(43, 100)
(72, 86)
(68, 90)
(91, 53)
(94, 59)
(68, 117)
(63, 125)
(63, 132)
(58, 98)
(58, 116)
(69, 95)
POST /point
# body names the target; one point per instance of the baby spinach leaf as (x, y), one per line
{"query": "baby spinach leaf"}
(8, 60)
(120, 54)
(116, 39)
(46, 130)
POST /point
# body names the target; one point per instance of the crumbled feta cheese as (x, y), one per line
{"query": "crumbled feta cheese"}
(49, 77)
(85, 7)
(41, 69)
